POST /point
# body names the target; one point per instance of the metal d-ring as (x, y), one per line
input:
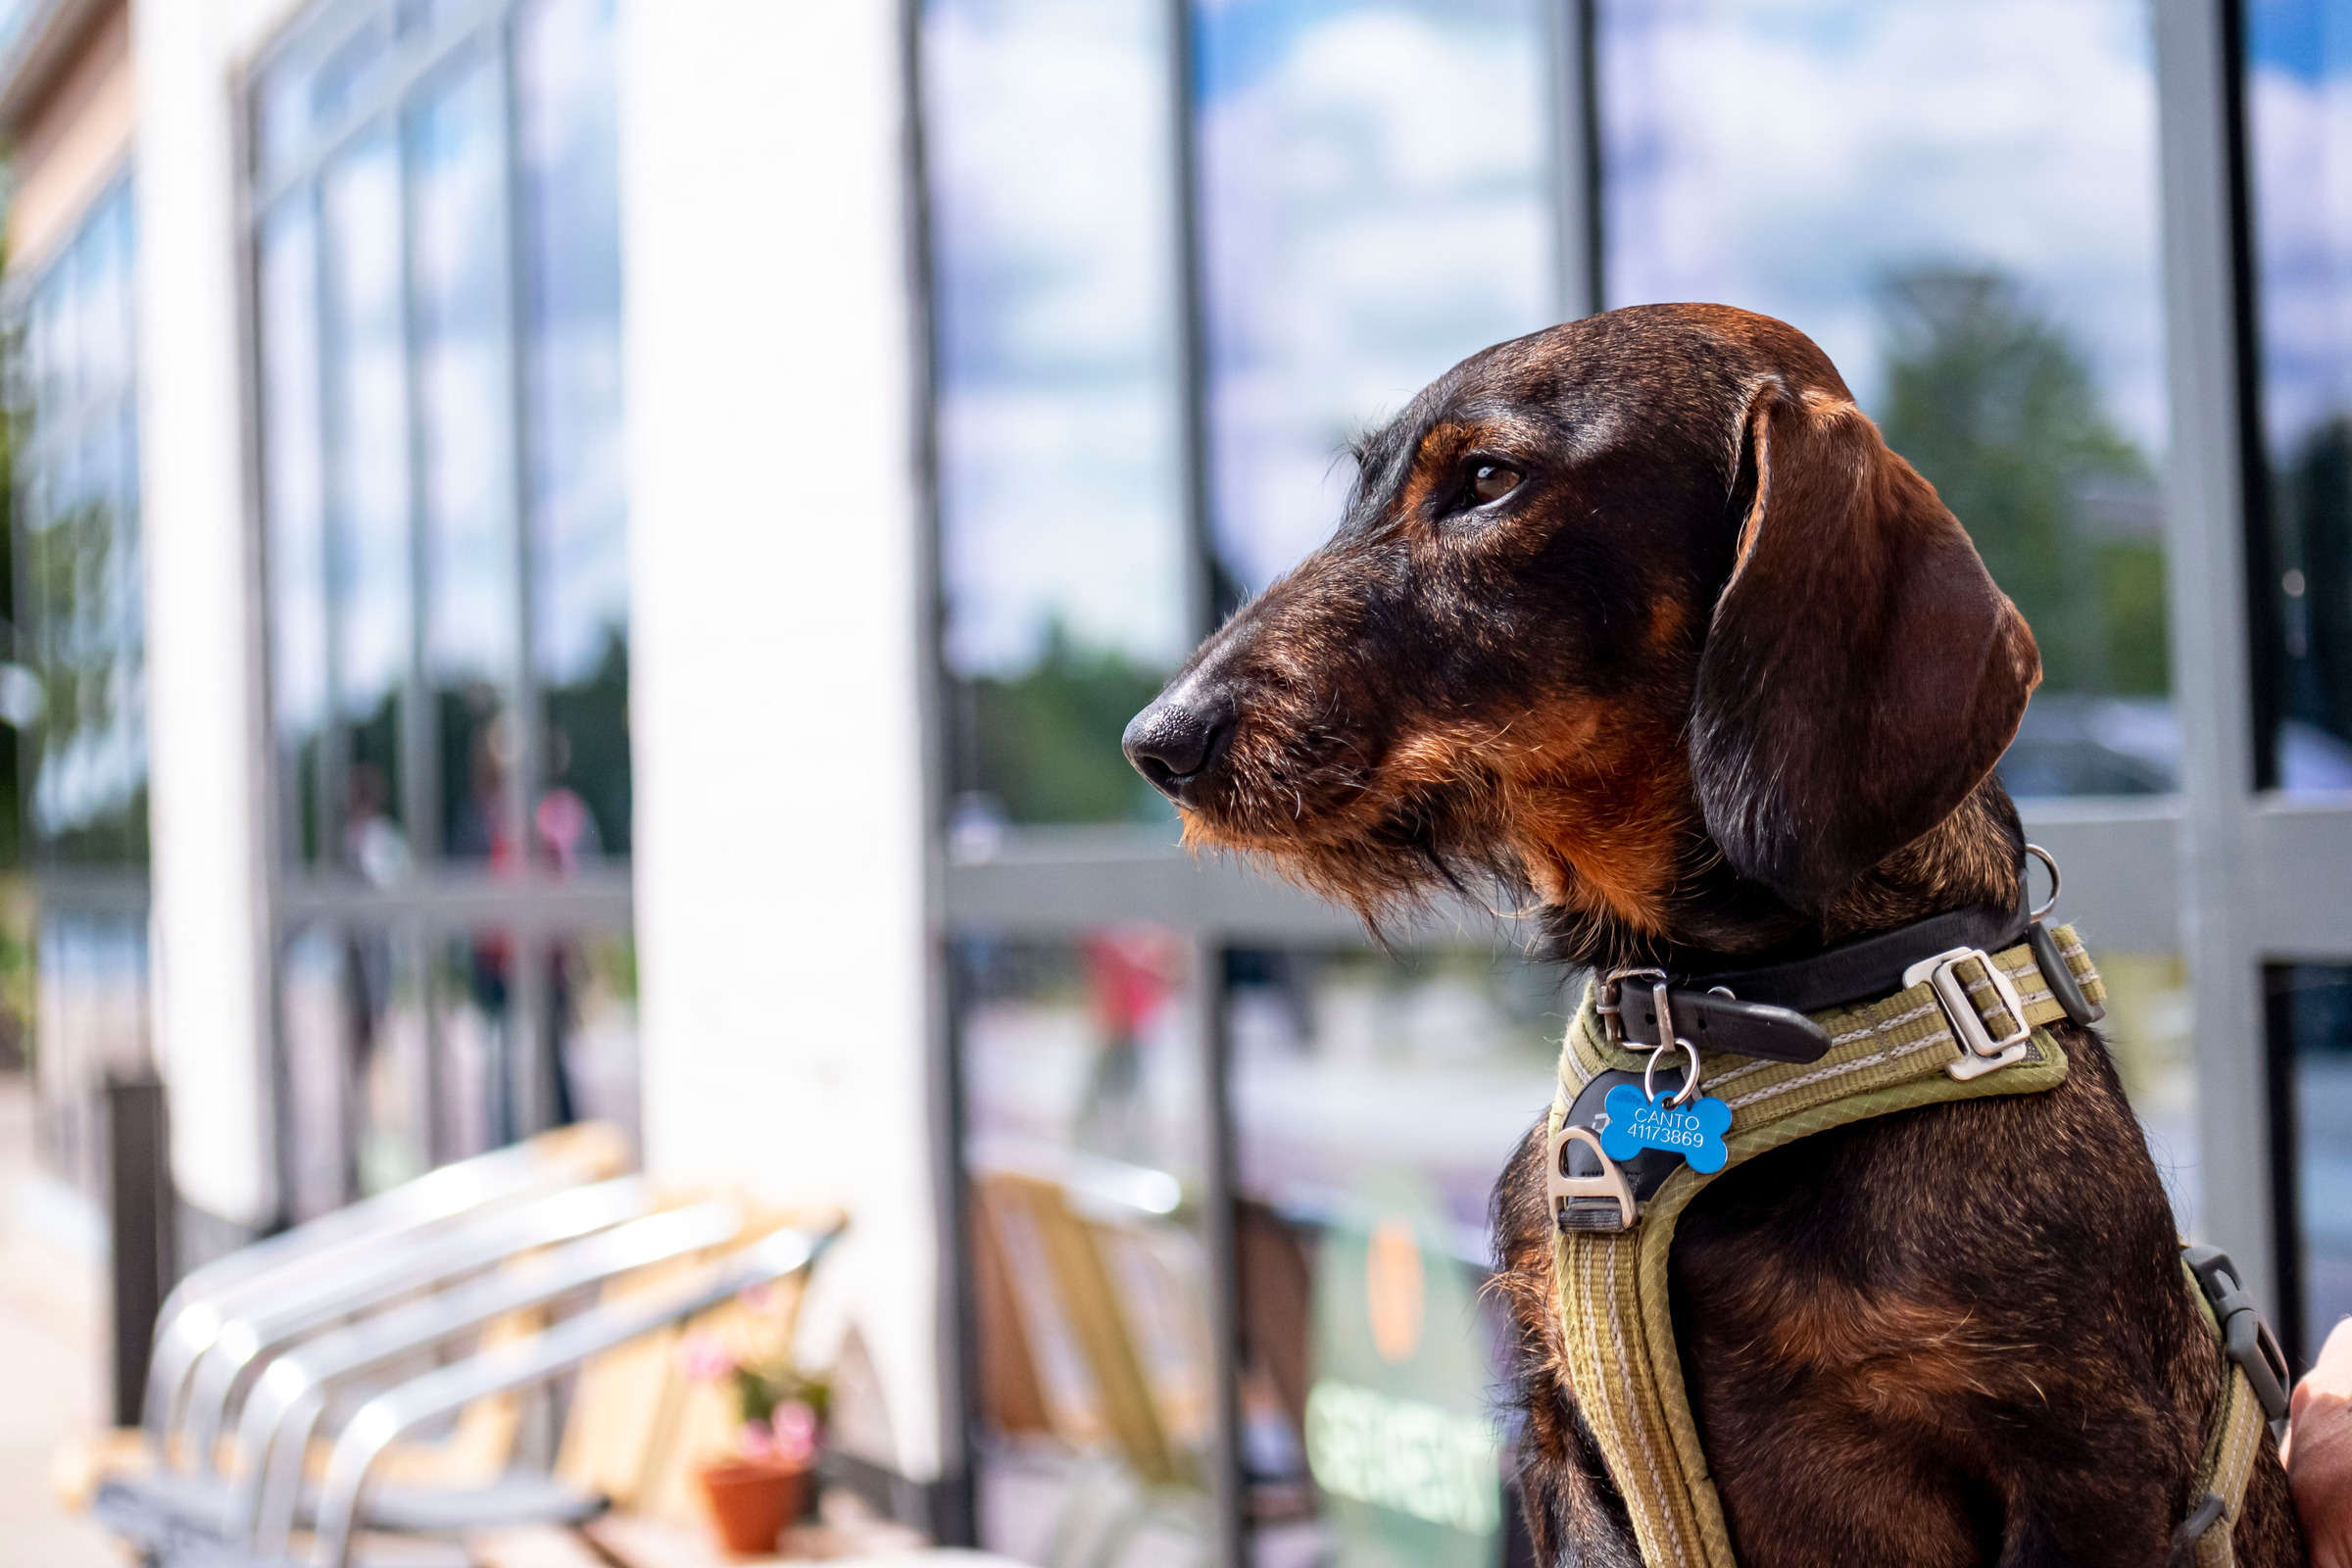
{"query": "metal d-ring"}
(1667, 1041)
(2050, 860)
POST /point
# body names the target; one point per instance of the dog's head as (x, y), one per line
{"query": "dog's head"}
(1629, 605)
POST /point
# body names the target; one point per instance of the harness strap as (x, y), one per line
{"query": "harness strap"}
(1616, 1318)
(2254, 1393)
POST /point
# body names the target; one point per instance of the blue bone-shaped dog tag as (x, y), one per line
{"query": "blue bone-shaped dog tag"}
(1694, 1131)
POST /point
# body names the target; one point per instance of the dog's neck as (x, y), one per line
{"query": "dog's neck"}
(1719, 919)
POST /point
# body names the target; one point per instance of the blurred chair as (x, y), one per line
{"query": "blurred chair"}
(532, 1363)
(203, 1304)
(369, 1364)
(1134, 1402)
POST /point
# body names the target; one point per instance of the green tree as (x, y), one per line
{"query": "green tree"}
(1997, 408)
(1046, 742)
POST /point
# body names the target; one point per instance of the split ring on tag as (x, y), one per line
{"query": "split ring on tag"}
(1689, 1124)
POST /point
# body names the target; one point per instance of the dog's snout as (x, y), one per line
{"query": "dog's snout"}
(1174, 742)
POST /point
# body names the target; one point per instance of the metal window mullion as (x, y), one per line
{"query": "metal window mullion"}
(1573, 43)
(948, 1518)
(330, 766)
(1227, 1485)
(419, 773)
(1204, 570)
(530, 1017)
(359, 121)
(529, 721)
(2206, 521)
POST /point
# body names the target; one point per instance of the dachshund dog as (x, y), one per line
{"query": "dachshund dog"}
(1639, 619)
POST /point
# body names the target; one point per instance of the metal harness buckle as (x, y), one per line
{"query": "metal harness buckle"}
(1599, 1203)
(1980, 1051)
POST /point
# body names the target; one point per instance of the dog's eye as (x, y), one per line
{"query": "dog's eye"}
(1492, 482)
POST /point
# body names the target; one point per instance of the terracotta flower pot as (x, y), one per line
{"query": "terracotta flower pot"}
(752, 1501)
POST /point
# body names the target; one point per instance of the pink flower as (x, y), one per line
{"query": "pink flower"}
(795, 1433)
(702, 1357)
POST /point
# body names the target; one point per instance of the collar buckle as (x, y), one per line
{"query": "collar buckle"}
(1980, 1051)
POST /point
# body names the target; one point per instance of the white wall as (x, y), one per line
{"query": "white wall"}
(773, 671)
(202, 730)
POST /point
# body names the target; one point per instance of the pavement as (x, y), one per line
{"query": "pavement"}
(52, 1358)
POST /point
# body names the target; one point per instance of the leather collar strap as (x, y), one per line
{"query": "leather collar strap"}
(1760, 1012)
(1869, 967)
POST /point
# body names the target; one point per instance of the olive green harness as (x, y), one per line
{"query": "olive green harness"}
(1915, 1048)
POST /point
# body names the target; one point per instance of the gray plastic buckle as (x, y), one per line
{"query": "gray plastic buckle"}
(2246, 1336)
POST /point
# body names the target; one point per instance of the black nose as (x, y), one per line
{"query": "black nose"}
(1172, 743)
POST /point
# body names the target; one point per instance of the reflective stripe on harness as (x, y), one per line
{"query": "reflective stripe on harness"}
(1611, 1246)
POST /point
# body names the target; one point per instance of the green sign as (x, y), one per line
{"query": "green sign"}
(1398, 1436)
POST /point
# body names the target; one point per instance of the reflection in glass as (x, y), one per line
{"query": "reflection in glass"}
(1963, 217)
(1062, 551)
(473, 1028)
(1086, 1137)
(2148, 1031)
(2310, 1009)
(91, 1018)
(1375, 207)
(592, 988)
(404, 1049)
(80, 602)
(570, 160)
(2299, 109)
(459, 277)
(368, 555)
(73, 687)
(293, 506)
(403, 442)
(315, 1031)
(1375, 1100)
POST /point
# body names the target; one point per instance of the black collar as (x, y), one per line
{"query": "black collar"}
(1868, 968)
(1760, 1012)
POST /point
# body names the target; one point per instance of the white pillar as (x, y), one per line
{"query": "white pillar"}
(203, 726)
(773, 666)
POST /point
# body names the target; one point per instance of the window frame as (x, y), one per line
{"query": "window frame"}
(532, 909)
(2227, 871)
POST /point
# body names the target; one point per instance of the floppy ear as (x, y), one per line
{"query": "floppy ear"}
(1862, 673)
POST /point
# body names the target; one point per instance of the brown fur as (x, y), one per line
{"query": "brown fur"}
(1722, 679)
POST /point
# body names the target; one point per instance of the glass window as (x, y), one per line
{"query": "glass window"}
(1375, 1100)
(74, 684)
(1375, 206)
(440, 377)
(2299, 131)
(439, 301)
(465, 401)
(2310, 1009)
(409, 1044)
(568, 152)
(1085, 1156)
(1064, 554)
(1962, 213)
(81, 603)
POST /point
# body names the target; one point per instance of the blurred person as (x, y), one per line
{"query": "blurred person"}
(372, 843)
(560, 820)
